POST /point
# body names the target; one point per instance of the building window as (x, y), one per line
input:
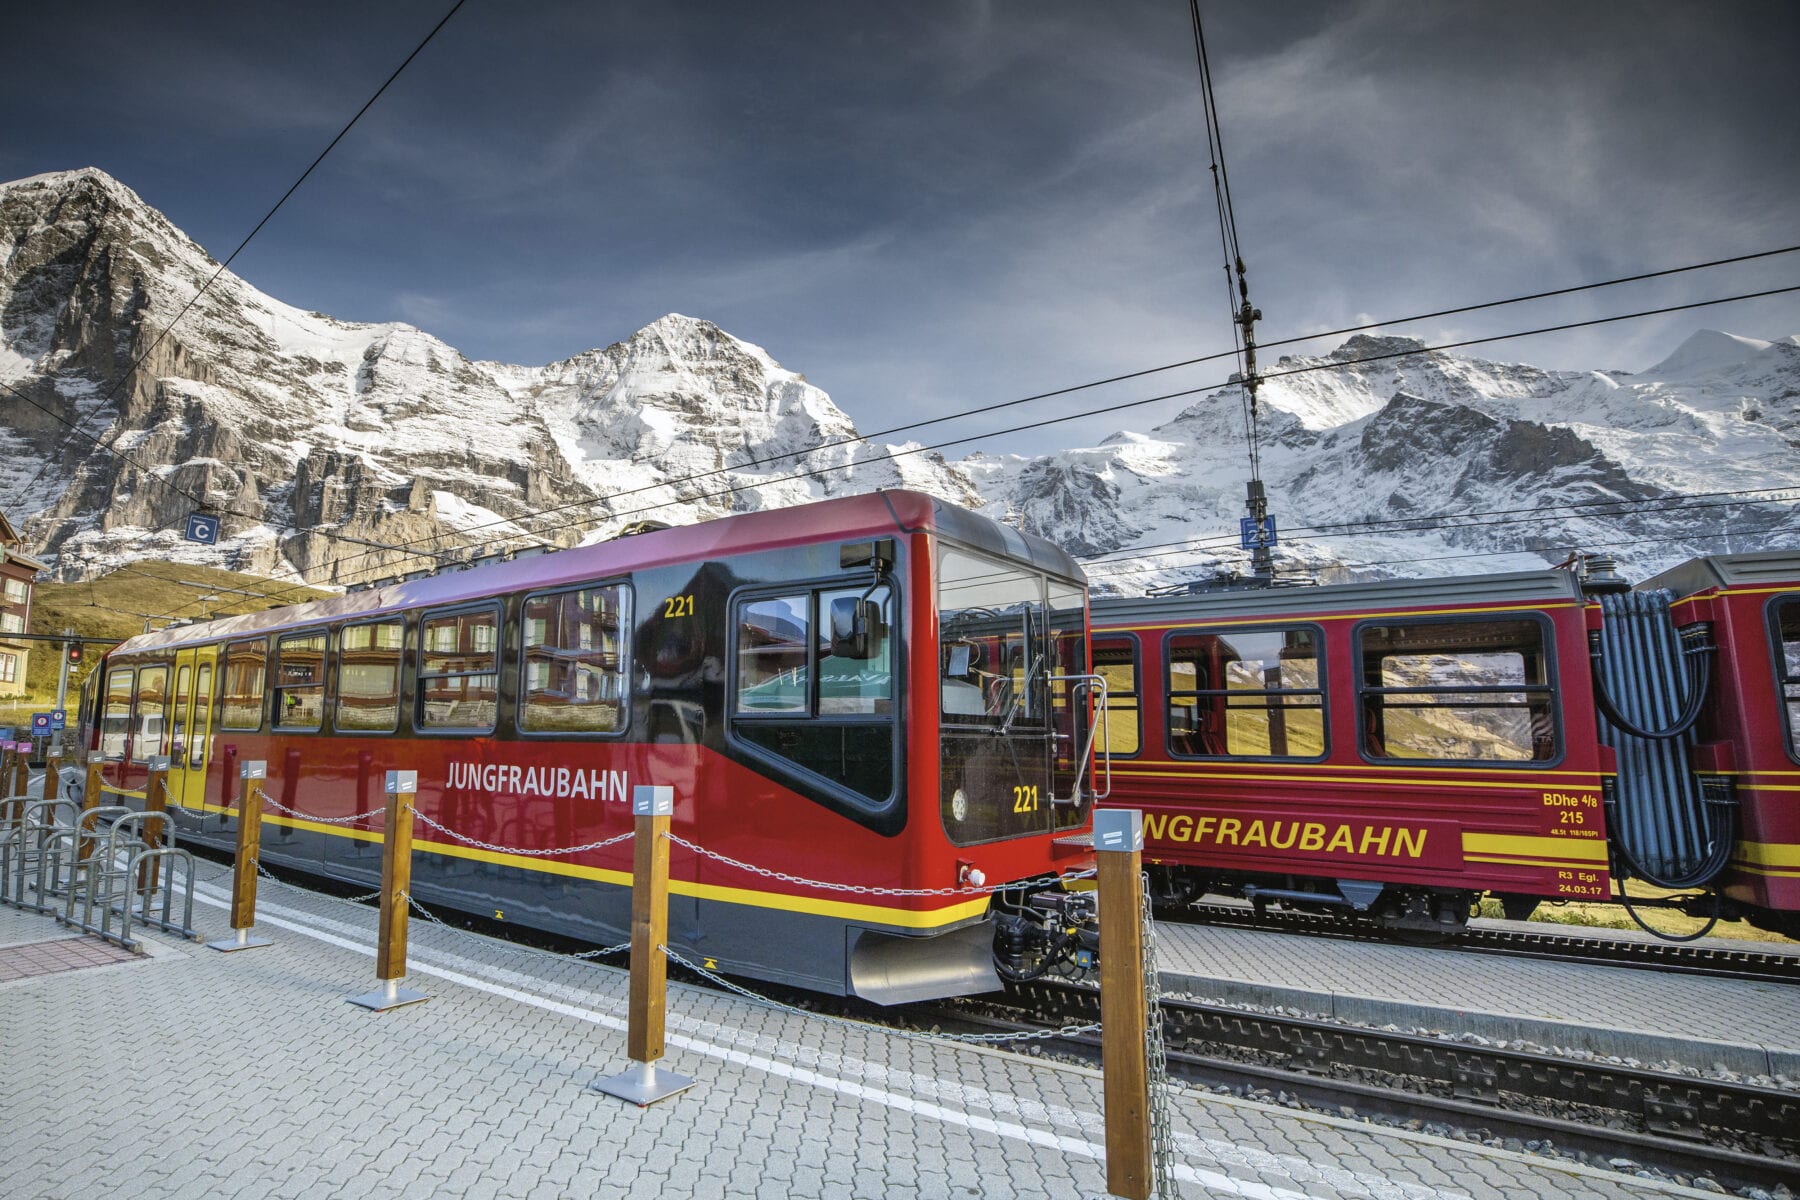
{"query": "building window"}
(17, 591)
(12, 623)
(459, 670)
(242, 679)
(300, 681)
(1116, 661)
(1458, 691)
(574, 661)
(368, 690)
(9, 668)
(1245, 693)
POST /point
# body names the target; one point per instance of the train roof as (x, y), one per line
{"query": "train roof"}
(1765, 568)
(874, 514)
(1386, 595)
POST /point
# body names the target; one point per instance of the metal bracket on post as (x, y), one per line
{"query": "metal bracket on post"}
(396, 880)
(1124, 1057)
(249, 851)
(645, 1083)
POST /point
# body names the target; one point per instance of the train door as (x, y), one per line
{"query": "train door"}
(191, 725)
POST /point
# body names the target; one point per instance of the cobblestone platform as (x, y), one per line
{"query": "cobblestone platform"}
(1653, 1016)
(189, 1073)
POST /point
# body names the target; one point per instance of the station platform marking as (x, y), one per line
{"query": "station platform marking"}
(1216, 1164)
(27, 960)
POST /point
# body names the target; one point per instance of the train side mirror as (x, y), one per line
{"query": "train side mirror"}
(855, 628)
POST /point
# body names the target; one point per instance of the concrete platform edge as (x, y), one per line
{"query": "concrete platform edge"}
(1700, 1053)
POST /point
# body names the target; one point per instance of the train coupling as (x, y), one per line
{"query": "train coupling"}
(1045, 932)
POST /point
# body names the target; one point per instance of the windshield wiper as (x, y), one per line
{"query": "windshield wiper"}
(1018, 700)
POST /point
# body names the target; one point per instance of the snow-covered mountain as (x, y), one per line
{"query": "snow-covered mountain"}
(1359, 444)
(311, 433)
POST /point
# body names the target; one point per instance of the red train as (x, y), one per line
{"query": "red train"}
(874, 692)
(1399, 749)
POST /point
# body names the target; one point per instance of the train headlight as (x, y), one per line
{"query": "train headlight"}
(959, 805)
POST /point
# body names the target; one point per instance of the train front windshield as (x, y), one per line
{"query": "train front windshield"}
(1013, 727)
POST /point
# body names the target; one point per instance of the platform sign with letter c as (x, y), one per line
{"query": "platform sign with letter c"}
(202, 528)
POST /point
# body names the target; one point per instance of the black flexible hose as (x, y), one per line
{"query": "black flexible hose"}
(1708, 869)
(1718, 908)
(1701, 683)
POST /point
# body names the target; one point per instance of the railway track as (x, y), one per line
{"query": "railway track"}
(1740, 1135)
(1773, 966)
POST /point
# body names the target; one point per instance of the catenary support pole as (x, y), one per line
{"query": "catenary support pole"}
(249, 851)
(644, 1083)
(1125, 1064)
(396, 882)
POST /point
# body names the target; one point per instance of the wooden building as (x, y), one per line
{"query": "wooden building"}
(17, 569)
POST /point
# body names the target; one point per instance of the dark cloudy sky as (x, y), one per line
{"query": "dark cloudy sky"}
(933, 205)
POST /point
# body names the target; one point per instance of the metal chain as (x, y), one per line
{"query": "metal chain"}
(306, 816)
(869, 889)
(602, 844)
(1162, 1134)
(988, 1039)
(432, 917)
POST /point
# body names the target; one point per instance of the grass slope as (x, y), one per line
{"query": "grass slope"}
(117, 606)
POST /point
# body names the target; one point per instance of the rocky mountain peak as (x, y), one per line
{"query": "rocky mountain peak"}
(312, 435)
(1367, 345)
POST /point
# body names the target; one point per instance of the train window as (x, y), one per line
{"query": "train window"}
(1785, 614)
(203, 687)
(1116, 661)
(149, 715)
(178, 712)
(574, 661)
(1458, 691)
(368, 677)
(115, 717)
(1245, 693)
(459, 670)
(774, 654)
(300, 681)
(794, 698)
(241, 683)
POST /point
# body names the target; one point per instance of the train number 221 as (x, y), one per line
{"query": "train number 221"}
(1025, 799)
(678, 606)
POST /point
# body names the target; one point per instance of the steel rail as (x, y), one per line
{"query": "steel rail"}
(1675, 1120)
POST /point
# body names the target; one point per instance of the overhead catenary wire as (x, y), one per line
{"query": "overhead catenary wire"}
(230, 258)
(1107, 570)
(1641, 276)
(1242, 314)
(336, 564)
(1433, 520)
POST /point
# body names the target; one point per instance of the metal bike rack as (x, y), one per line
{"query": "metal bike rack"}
(28, 853)
(109, 885)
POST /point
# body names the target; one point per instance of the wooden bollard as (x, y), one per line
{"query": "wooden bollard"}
(12, 800)
(156, 797)
(644, 1083)
(90, 800)
(53, 773)
(396, 880)
(21, 769)
(1124, 1053)
(249, 848)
